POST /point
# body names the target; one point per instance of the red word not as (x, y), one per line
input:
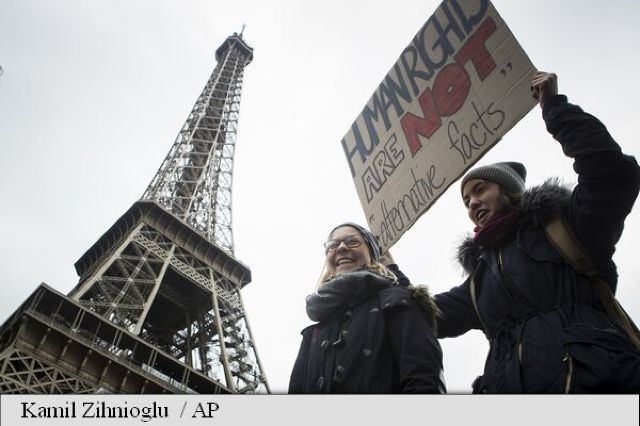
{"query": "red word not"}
(450, 88)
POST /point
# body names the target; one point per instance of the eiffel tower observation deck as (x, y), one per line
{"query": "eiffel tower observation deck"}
(158, 307)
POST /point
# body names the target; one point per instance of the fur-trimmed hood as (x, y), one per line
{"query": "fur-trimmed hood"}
(422, 295)
(541, 202)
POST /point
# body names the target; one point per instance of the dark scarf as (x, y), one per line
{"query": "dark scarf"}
(343, 292)
(498, 229)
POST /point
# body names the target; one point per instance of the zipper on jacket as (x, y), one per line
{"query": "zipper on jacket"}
(505, 285)
(504, 281)
(472, 291)
(503, 276)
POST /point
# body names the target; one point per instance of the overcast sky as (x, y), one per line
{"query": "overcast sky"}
(94, 93)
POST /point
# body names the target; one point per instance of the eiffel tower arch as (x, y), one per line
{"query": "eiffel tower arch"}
(158, 306)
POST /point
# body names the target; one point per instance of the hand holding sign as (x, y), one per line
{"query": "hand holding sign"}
(543, 86)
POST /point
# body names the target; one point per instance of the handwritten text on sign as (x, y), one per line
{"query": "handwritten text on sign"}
(460, 85)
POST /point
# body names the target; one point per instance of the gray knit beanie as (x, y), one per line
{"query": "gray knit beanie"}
(511, 175)
(371, 241)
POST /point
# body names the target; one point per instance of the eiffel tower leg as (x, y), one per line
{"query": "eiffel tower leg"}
(223, 350)
(262, 376)
(188, 343)
(202, 349)
(156, 286)
(77, 293)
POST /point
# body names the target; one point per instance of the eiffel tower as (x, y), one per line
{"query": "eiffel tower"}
(158, 307)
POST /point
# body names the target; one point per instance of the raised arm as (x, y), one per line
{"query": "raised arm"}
(608, 180)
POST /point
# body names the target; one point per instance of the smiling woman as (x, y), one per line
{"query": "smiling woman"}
(346, 252)
(374, 333)
(348, 248)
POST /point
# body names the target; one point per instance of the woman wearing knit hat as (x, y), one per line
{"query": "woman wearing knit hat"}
(547, 328)
(374, 332)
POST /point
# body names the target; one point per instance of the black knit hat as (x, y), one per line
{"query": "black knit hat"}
(511, 175)
(371, 241)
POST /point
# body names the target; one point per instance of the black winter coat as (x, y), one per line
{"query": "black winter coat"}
(384, 344)
(547, 330)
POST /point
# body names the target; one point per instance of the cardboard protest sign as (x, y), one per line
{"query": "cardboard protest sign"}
(460, 85)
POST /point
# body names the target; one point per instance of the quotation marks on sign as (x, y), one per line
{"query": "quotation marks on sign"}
(506, 69)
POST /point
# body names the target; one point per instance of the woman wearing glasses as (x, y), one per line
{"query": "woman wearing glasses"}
(374, 332)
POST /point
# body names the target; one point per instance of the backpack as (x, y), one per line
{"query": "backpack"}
(570, 249)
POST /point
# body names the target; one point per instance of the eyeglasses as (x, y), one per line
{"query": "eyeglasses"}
(352, 241)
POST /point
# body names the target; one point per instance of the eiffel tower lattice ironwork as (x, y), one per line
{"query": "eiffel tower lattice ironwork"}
(194, 181)
(158, 305)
